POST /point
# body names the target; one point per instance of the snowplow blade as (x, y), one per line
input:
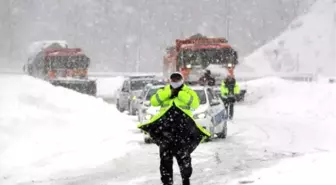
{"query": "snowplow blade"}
(85, 87)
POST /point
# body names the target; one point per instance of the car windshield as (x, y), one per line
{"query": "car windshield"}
(202, 96)
(151, 92)
(139, 84)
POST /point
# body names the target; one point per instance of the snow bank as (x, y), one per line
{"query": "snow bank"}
(307, 46)
(45, 130)
(107, 87)
(277, 97)
(308, 170)
(306, 111)
(241, 71)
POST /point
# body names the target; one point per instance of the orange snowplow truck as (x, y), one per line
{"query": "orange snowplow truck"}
(193, 55)
(66, 67)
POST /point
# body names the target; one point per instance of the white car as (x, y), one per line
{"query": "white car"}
(211, 113)
(148, 92)
(126, 98)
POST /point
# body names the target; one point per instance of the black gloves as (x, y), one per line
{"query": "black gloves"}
(174, 92)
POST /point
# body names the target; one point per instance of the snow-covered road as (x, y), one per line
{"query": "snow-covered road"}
(253, 143)
(44, 144)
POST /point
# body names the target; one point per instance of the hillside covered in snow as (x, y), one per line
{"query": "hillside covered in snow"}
(117, 33)
(306, 46)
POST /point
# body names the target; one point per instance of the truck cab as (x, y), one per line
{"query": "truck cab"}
(194, 54)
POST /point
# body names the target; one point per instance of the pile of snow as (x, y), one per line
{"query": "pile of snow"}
(304, 114)
(308, 170)
(241, 71)
(107, 87)
(46, 130)
(301, 110)
(278, 97)
(307, 46)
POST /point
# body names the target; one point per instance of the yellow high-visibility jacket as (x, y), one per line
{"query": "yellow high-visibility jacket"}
(225, 90)
(187, 100)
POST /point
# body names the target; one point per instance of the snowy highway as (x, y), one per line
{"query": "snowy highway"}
(284, 133)
(253, 142)
(246, 149)
(64, 142)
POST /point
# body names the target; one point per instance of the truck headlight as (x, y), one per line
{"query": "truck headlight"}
(200, 116)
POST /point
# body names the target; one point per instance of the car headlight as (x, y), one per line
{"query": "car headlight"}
(148, 116)
(200, 115)
(147, 104)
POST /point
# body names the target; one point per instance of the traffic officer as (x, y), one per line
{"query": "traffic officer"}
(173, 128)
(229, 90)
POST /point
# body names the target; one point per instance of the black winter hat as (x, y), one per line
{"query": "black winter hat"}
(176, 76)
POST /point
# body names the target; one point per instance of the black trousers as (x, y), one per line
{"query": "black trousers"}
(229, 106)
(183, 158)
(175, 139)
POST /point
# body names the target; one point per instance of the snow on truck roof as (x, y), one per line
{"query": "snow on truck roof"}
(207, 46)
(64, 52)
(37, 46)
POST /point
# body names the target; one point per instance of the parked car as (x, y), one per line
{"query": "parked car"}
(127, 95)
(211, 113)
(144, 100)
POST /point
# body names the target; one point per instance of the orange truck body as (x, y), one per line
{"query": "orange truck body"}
(66, 67)
(171, 64)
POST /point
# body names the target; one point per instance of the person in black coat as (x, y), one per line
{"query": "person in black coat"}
(173, 129)
(207, 79)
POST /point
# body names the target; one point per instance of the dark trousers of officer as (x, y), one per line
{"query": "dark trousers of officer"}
(229, 106)
(183, 159)
(179, 140)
